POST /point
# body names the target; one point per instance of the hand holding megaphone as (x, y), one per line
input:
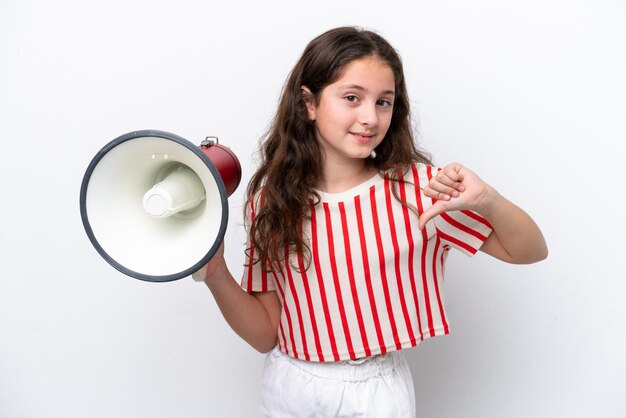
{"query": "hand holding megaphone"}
(209, 268)
(155, 206)
(200, 275)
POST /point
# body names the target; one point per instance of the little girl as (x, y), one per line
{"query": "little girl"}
(349, 229)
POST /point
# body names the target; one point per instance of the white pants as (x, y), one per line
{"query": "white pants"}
(379, 386)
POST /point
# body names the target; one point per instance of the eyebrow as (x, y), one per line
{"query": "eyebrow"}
(361, 88)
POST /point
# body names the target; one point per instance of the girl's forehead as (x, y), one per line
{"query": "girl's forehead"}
(368, 70)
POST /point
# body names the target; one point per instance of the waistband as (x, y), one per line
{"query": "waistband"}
(345, 370)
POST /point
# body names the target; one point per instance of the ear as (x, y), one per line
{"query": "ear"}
(309, 102)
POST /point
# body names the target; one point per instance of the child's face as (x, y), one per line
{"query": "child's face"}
(354, 112)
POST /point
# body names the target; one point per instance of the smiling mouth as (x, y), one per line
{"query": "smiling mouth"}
(362, 137)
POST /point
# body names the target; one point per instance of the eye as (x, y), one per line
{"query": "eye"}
(384, 103)
(351, 98)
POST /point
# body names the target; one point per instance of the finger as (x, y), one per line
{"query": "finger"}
(440, 192)
(444, 184)
(454, 171)
(451, 176)
(430, 213)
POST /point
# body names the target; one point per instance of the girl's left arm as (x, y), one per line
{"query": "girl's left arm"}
(516, 238)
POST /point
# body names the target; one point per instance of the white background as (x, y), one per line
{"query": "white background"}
(528, 94)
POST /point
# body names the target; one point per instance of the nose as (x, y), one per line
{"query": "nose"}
(368, 115)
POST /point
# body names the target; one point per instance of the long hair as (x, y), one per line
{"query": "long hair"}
(291, 157)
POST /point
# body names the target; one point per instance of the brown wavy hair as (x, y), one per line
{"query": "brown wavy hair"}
(291, 158)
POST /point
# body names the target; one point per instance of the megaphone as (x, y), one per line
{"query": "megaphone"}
(155, 206)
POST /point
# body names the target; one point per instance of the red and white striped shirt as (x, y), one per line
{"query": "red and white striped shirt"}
(374, 283)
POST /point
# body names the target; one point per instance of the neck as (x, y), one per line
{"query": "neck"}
(339, 176)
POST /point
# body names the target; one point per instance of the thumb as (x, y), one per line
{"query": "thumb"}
(436, 209)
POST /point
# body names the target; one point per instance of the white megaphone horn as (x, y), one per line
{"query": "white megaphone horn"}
(155, 206)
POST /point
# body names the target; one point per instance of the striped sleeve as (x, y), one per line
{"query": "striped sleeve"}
(254, 279)
(464, 230)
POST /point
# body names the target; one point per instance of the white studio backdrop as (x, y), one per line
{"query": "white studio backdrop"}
(528, 94)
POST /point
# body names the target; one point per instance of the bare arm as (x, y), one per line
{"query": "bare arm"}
(253, 316)
(516, 238)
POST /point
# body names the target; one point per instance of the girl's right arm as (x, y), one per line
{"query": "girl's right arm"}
(253, 316)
